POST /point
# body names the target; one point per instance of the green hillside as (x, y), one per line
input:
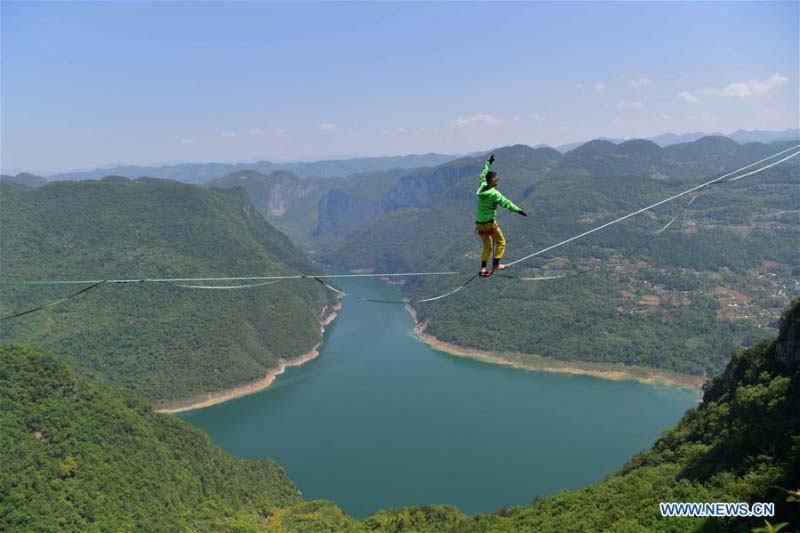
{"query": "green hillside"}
(715, 281)
(163, 341)
(78, 456)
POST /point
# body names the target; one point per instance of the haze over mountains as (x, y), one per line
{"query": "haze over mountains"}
(316, 211)
(26, 179)
(740, 136)
(202, 173)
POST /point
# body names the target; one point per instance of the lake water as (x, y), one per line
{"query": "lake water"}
(382, 420)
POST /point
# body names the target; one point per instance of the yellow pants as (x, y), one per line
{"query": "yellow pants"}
(490, 234)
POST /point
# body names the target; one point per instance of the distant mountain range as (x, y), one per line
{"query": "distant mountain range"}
(314, 210)
(668, 139)
(202, 173)
(24, 178)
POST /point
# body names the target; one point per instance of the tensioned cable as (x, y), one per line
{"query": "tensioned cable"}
(633, 252)
(96, 283)
(85, 289)
(673, 197)
(272, 279)
(226, 287)
(51, 304)
(232, 278)
(716, 181)
(403, 301)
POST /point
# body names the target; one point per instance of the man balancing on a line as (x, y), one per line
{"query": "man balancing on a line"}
(486, 224)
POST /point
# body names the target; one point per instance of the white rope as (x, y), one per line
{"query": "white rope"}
(765, 168)
(668, 224)
(226, 287)
(674, 197)
(441, 295)
(246, 278)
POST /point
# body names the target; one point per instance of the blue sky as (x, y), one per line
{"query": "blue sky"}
(92, 84)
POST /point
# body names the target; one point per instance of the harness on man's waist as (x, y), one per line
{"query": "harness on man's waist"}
(486, 231)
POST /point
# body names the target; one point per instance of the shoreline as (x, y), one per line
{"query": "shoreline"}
(214, 398)
(538, 363)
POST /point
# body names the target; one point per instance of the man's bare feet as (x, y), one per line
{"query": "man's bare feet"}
(498, 267)
(484, 273)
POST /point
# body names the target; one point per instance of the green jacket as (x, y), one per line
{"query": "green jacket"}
(489, 199)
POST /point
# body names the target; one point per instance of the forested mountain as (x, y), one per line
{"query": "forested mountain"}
(597, 159)
(24, 178)
(202, 173)
(714, 281)
(161, 340)
(740, 136)
(77, 455)
(637, 157)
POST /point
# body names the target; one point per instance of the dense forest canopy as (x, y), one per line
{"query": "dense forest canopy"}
(161, 340)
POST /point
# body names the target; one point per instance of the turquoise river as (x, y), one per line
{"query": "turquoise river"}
(381, 420)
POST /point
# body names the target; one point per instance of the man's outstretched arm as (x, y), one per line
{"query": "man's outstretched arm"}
(486, 167)
(508, 204)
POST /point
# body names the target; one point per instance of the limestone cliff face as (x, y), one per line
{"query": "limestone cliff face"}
(422, 189)
(272, 195)
(285, 191)
(340, 214)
